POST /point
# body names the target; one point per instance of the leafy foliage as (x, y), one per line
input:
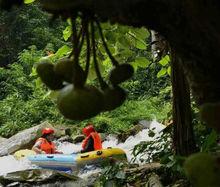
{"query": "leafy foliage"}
(130, 113)
(26, 26)
(112, 175)
(23, 104)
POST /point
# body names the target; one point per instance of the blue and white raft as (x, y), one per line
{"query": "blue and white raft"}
(64, 162)
(54, 161)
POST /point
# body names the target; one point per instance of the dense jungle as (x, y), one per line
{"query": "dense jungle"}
(117, 65)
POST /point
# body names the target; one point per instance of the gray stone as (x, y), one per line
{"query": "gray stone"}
(22, 140)
(2, 139)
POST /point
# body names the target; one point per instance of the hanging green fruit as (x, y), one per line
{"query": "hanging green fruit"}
(46, 72)
(203, 170)
(121, 73)
(80, 103)
(64, 68)
(79, 76)
(209, 113)
(113, 98)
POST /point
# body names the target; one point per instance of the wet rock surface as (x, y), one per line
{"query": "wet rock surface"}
(39, 177)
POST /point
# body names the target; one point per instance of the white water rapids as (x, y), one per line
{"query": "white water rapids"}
(10, 164)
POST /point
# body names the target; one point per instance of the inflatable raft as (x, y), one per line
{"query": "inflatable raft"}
(63, 162)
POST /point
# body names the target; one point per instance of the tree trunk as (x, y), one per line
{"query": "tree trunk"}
(183, 137)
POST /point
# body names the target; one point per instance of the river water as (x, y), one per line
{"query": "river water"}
(10, 164)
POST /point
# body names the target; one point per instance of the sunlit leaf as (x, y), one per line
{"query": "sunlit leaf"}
(38, 83)
(28, 1)
(162, 72)
(140, 44)
(142, 62)
(169, 71)
(33, 71)
(165, 60)
(141, 33)
(107, 62)
(67, 33)
(69, 21)
(63, 51)
(135, 66)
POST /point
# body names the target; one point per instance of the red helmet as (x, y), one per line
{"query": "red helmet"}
(47, 131)
(88, 129)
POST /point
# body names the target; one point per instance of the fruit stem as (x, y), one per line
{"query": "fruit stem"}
(77, 44)
(102, 83)
(88, 48)
(114, 61)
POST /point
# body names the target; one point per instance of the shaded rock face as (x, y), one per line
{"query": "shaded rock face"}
(22, 140)
(40, 177)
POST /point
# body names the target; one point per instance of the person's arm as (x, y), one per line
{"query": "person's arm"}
(37, 149)
(89, 146)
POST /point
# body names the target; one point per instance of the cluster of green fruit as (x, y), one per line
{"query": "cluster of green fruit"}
(76, 100)
(209, 113)
(203, 169)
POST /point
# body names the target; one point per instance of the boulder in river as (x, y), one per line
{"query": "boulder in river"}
(22, 140)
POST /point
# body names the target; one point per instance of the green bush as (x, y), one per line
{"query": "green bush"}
(131, 112)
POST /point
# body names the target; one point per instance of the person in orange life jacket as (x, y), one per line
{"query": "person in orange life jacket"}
(45, 145)
(92, 140)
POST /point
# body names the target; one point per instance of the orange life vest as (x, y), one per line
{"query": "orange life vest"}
(47, 147)
(97, 141)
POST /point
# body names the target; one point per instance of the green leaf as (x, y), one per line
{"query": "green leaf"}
(38, 83)
(162, 72)
(210, 141)
(127, 53)
(165, 60)
(124, 43)
(67, 33)
(141, 33)
(140, 44)
(28, 1)
(142, 62)
(33, 71)
(169, 71)
(63, 51)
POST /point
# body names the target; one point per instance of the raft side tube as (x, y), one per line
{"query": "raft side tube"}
(94, 157)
